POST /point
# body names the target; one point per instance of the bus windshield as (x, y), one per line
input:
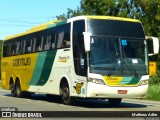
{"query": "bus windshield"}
(118, 56)
(117, 47)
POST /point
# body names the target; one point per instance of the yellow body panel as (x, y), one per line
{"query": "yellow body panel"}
(118, 81)
(20, 67)
(112, 80)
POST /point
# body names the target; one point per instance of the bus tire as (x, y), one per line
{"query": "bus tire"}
(67, 100)
(114, 101)
(18, 90)
(13, 89)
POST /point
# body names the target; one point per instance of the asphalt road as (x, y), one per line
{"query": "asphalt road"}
(39, 102)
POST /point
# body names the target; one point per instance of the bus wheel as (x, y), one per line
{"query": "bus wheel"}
(18, 89)
(114, 101)
(13, 89)
(66, 95)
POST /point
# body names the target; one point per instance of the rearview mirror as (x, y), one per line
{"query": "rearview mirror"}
(153, 45)
(87, 37)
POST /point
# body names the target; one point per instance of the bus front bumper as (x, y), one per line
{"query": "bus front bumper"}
(103, 91)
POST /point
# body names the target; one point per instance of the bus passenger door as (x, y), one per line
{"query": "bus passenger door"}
(80, 59)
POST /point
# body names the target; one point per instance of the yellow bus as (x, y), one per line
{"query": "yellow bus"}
(98, 57)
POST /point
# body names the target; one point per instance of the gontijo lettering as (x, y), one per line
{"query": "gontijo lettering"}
(21, 62)
(112, 78)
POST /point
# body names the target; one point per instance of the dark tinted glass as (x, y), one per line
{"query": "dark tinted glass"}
(116, 28)
(53, 38)
(80, 61)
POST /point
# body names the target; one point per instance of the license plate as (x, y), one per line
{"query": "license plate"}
(122, 91)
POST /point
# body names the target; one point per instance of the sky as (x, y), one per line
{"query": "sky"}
(17, 16)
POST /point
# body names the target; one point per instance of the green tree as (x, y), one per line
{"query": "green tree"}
(70, 13)
(148, 11)
(150, 16)
(151, 21)
(122, 8)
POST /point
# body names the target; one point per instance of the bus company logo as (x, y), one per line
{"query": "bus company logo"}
(21, 62)
(111, 78)
(63, 59)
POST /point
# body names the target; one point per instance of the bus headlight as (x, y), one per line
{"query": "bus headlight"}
(97, 81)
(143, 82)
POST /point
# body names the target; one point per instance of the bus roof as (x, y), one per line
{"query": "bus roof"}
(59, 22)
(113, 18)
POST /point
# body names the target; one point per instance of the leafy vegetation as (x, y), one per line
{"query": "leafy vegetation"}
(153, 92)
(148, 11)
(154, 88)
(155, 80)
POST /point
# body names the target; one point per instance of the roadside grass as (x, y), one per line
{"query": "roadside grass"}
(154, 88)
(153, 92)
(0, 84)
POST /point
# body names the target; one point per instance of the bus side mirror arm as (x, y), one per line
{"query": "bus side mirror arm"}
(87, 37)
(155, 45)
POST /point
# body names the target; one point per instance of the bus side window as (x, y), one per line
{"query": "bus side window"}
(39, 42)
(60, 39)
(21, 47)
(24, 46)
(34, 45)
(63, 36)
(67, 35)
(44, 47)
(18, 47)
(13, 48)
(41, 45)
(53, 41)
(56, 35)
(29, 49)
(64, 43)
(27, 46)
(48, 42)
(4, 49)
